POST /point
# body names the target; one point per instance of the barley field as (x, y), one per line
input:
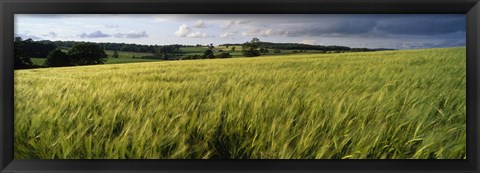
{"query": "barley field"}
(404, 104)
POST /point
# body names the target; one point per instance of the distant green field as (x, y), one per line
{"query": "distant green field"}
(123, 57)
(407, 104)
(38, 61)
(193, 49)
(186, 51)
(130, 57)
(127, 57)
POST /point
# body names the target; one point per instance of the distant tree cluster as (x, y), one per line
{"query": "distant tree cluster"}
(106, 46)
(224, 55)
(168, 50)
(79, 54)
(208, 54)
(20, 58)
(87, 54)
(263, 50)
(58, 58)
(295, 46)
(34, 49)
(71, 53)
(115, 54)
(251, 49)
(112, 46)
(277, 51)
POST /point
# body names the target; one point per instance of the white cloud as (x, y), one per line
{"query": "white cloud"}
(259, 32)
(186, 31)
(235, 22)
(227, 35)
(170, 17)
(161, 19)
(265, 32)
(197, 35)
(200, 24)
(183, 31)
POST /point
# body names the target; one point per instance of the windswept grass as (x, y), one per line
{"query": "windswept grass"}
(391, 104)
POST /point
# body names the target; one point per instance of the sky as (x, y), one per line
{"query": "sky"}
(401, 31)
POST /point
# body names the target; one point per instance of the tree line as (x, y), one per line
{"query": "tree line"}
(88, 53)
(299, 46)
(79, 54)
(126, 47)
(262, 46)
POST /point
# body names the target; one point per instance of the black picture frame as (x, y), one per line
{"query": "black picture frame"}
(471, 8)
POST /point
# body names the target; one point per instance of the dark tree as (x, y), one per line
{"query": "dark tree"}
(263, 50)
(277, 51)
(250, 49)
(87, 54)
(224, 55)
(115, 54)
(57, 58)
(18, 39)
(208, 54)
(251, 53)
(167, 50)
(233, 49)
(35, 49)
(255, 40)
(21, 60)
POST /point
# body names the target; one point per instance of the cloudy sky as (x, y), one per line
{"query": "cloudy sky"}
(370, 31)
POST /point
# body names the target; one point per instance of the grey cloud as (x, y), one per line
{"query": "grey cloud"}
(27, 36)
(131, 35)
(136, 34)
(431, 44)
(51, 35)
(236, 22)
(377, 26)
(96, 34)
(24, 36)
(119, 35)
(111, 26)
(424, 26)
(337, 28)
